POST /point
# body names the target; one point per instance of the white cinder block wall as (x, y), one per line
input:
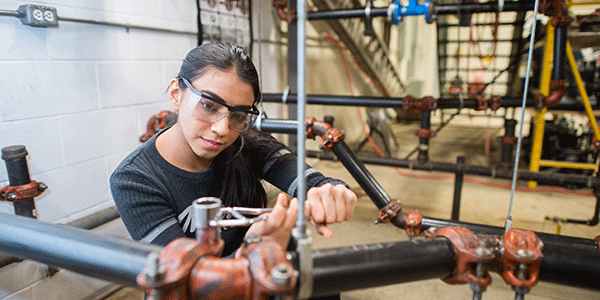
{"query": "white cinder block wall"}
(79, 96)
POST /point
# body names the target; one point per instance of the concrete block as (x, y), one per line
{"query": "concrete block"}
(170, 71)
(128, 83)
(149, 8)
(35, 89)
(21, 42)
(159, 46)
(41, 138)
(72, 189)
(179, 10)
(88, 42)
(93, 135)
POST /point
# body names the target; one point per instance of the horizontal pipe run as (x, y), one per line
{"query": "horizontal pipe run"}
(346, 14)
(489, 7)
(398, 102)
(545, 178)
(364, 266)
(75, 249)
(88, 222)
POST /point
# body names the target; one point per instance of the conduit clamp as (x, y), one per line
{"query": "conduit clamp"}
(194, 269)
(492, 103)
(330, 135)
(508, 140)
(412, 104)
(521, 259)
(157, 122)
(413, 222)
(424, 133)
(389, 212)
(22, 192)
(470, 253)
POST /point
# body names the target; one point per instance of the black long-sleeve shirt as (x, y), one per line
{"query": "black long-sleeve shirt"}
(154, 198)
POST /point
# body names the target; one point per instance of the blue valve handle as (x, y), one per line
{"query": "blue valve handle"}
(412, 9)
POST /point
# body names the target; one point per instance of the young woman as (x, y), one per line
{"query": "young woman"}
(212, 150)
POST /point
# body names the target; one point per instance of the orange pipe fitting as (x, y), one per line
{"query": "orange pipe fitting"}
(521, 248)
(330, 135)
(557, 91)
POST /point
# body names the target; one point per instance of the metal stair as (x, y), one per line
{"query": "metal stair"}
(370, 52)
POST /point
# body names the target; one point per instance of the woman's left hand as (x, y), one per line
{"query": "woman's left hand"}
(329, 204)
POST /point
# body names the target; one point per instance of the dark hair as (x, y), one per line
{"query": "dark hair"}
(236, 183)
(223, 56)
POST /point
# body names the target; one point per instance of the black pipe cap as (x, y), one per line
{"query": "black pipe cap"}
(14, 152)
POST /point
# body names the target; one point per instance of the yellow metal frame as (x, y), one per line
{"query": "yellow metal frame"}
(538, 133)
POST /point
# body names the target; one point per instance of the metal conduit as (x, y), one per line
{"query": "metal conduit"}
(364, 266)
(482, 8)
(441, 103)
(88, 222)
(75, 249)
(550, 179)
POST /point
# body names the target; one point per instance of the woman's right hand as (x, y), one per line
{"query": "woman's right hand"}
(279, 223)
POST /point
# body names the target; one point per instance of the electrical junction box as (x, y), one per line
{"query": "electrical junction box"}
(38, 15)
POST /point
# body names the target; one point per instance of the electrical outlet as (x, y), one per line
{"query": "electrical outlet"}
(38, 15)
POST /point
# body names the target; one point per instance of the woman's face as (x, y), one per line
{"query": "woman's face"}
(205, 138)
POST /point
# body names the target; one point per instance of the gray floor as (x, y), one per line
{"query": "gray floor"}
(480, 204)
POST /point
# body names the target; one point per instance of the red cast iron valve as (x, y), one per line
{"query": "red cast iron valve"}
(330, 135)
(469, 252)
(521, 247)
(22, 192)
(389, 212)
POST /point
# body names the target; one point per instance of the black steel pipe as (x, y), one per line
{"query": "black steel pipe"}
(458, 183)
(363, 266)
(441, 103)
(88, 222)
(508, 149)
(346, 13)
(18, 174)
(481, 8)
(544, 178)
(74, 249)
(423, 155)
(354, 166)
(569, 265)
(560, 46)
(547, 238)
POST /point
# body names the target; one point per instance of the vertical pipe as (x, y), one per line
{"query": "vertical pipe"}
(301, 130)
(424, 142)
(18, 174)
(507, 149)
(560, 45)
(458, 183)
(538, 131)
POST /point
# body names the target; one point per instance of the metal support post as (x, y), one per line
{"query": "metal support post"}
(509, 140)
(540, 122)
(458, 183)
(424, 135)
